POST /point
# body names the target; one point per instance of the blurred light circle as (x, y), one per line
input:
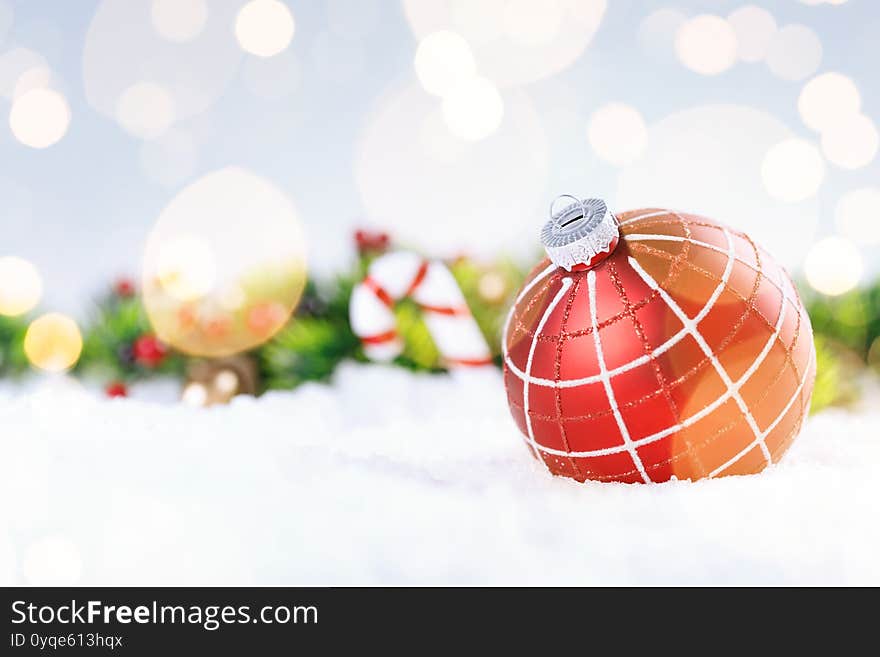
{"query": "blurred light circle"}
(828, 99)
(264, 27)
(52, 561)
(706, 44)
(473, 109)
(444, 60)
(145, 110)
(481, 18)
(123, 48)
(20, 286)
(833, 266)
(169, 159)
(795, 52)
(512, 41)
(39, 118)
(272, 78)
(13, 64)
(857, 215)
(179, 20)
(53, 342)
(754, 28)
(618, 133)
(851, 143)
(792, 170)
(531, 23)
(658, 29)
(229, 228)
(195, 394)
(186, 268)
(39, 77)
(696, 160)
(445, 195)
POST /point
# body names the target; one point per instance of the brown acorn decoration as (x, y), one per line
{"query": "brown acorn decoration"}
(217, 381)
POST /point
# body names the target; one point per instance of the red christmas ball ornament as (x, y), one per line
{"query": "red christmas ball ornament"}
(116, 389)
(654, 345)
(149, 351)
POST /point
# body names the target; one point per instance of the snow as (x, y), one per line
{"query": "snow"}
(386, 477)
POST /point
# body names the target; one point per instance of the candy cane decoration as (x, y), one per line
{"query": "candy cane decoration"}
(400, 275)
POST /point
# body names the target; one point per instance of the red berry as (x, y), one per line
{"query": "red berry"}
(116, 389)
(124, 288)
(373, 242)
(149, 351)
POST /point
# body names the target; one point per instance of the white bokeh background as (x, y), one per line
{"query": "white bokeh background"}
(114, 106)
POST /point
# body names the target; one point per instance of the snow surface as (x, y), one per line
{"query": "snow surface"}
(385, 477)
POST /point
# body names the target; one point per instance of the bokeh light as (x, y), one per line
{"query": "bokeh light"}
(697, 160)
(794, 53)
(179, 20)
(833, 266)
(13, 64)
(39, 77)
(792, 170)
(851, 143)
(857, 215)
(53, 342)
(443, 61)
(473, 109)
(229, 230)
(264, 27)
(123, 48)
(514, 42)
(145, 110)
(658, 29)
(52, 561)
(754, 28)
(39, 118)
(479, 197)
(827, 100)
(186, 268)
(532, 24)
(706, 44)
(21, 286)
(617, 133)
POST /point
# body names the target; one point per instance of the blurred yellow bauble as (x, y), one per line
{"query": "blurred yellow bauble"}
(20, 286)
(225, 265)
(53, 342)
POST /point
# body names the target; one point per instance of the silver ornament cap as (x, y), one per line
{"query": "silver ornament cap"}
(581, 234)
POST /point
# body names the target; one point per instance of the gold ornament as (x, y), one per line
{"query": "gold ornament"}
(224, 266)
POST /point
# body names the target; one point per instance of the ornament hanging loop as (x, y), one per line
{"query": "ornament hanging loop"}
(581, 234)
(562, 196)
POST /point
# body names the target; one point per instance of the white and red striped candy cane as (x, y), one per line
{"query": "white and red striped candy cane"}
(399, 275)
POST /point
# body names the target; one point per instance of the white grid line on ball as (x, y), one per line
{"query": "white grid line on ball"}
(732, 388)
(566, 284)
(641, 360)
(772, 425)
(606, 381)
(732, 257)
